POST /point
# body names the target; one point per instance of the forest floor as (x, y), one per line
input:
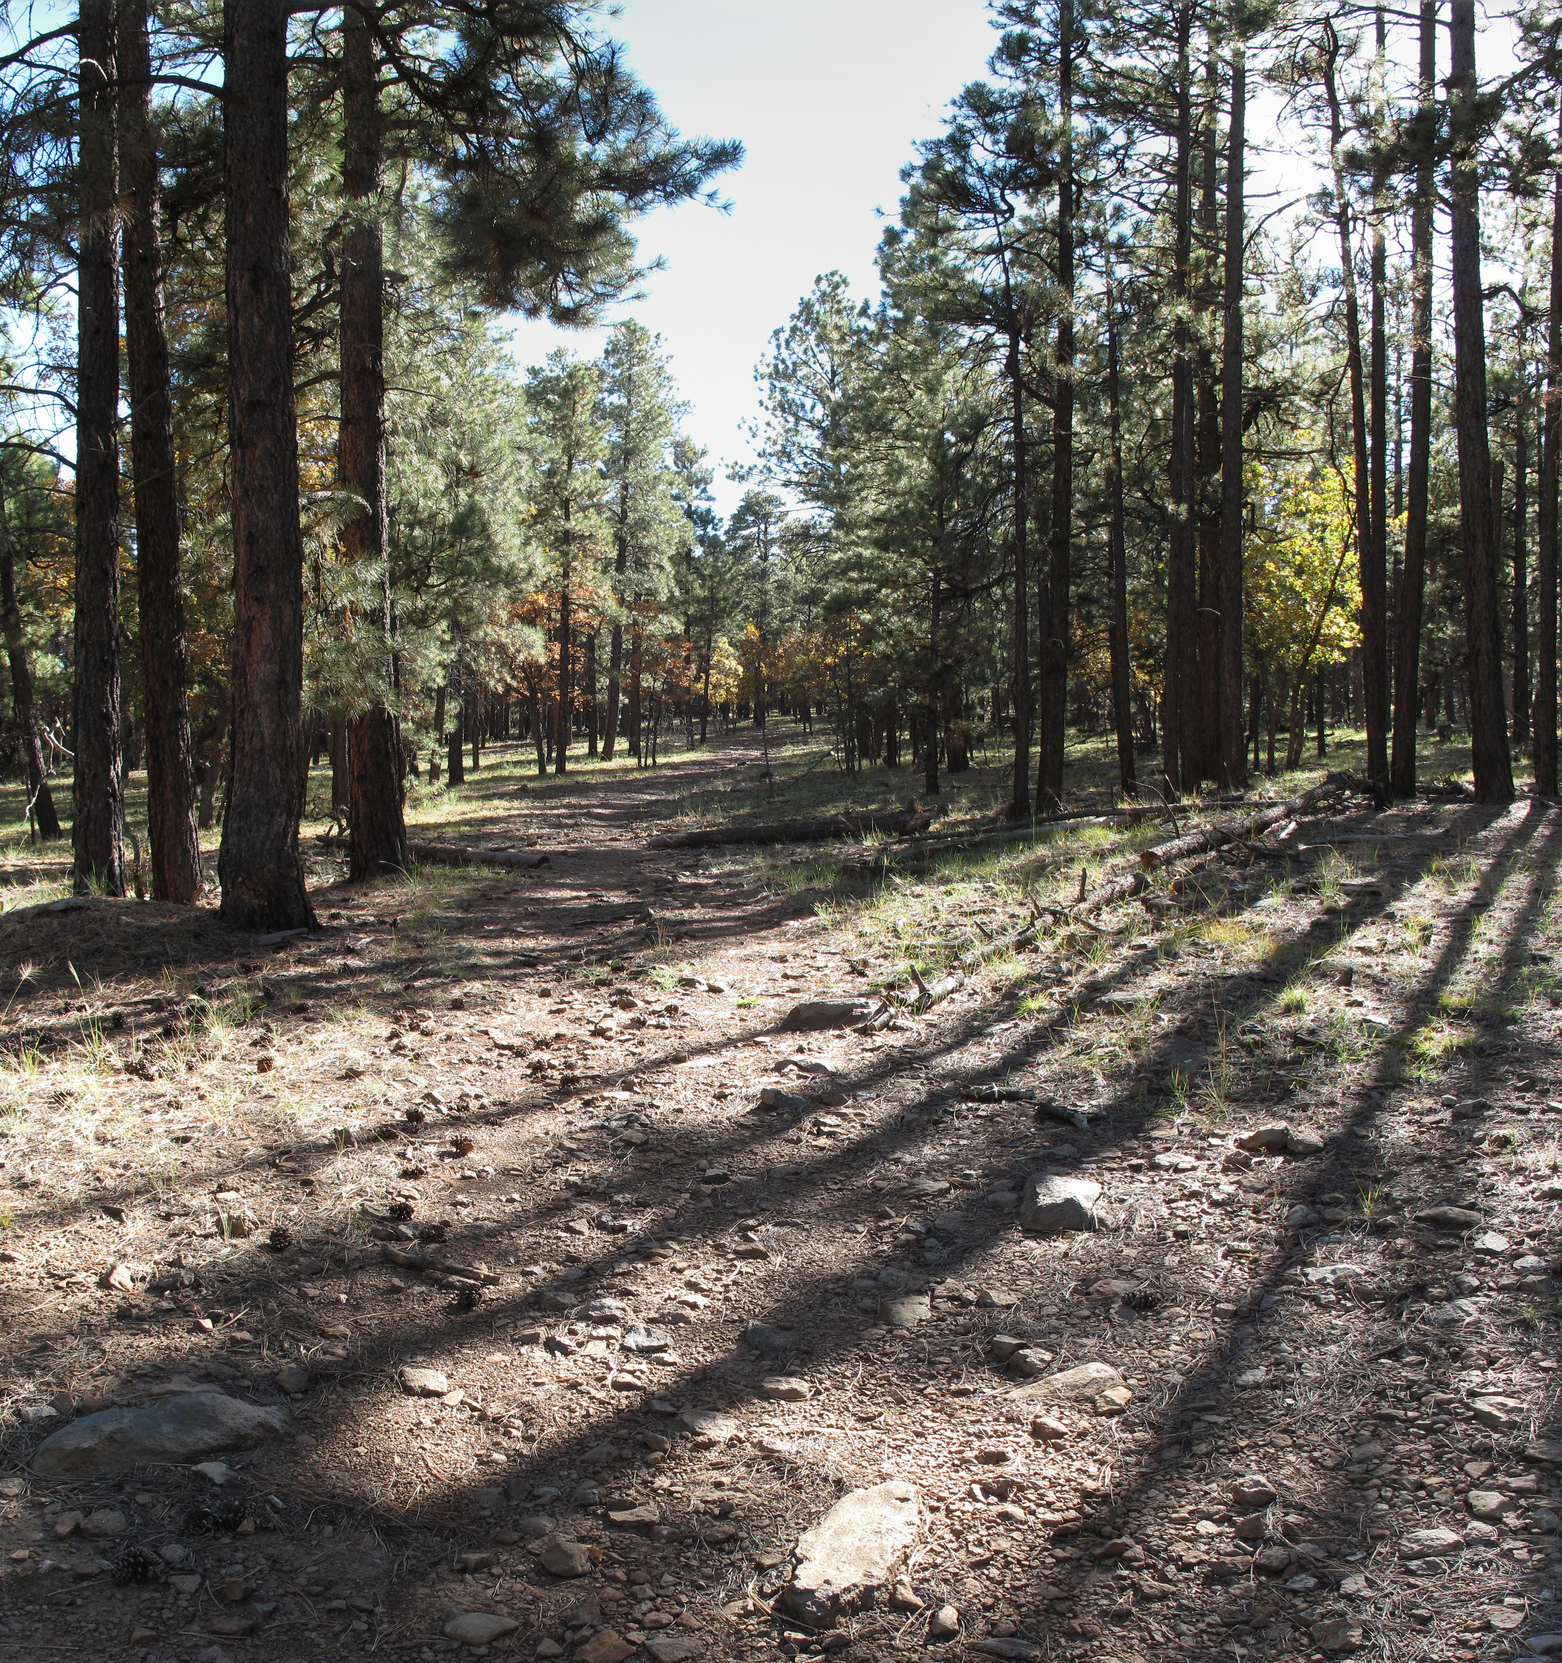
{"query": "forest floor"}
(583, 1049)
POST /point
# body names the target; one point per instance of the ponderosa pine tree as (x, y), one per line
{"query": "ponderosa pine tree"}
(175, 844)
(98, 790)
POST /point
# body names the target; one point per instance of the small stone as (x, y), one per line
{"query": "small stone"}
(906, 1312)
(854, 1549)
(105, 1521)
(1047, 1430)
(1299, 1142)
(185, 1584)
(1481, 1534)
(1433, 1542)
(1113, 1400)
(671, 1648)
(815, 1014)
(421, 1382)
(566, 1558)
(214, 1472)
(142, 1636)
(295, 1379)
(1501, 1414)
(67, 1524)
(771, 1342)
(640, 1338)
(1253, 1491)
(1490, 1505)
(1089, 1380)
(1265, 1140)
(944, 1624)
(1338, 1634)
(479, 1628)
(1490, 1244)
(1450, 1218)
(643, 1516)
(549, 1648)
(1050, 1205)
(604, 1647)
(708, 1426)
(903, 1597)
(785, 1388)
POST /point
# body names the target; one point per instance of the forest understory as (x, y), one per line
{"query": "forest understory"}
(507, 1127)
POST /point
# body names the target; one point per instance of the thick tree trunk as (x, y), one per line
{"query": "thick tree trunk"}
(1233, 739)
(259, 867)
(636, 670)
(1201, 754)
(376, 826)
(566, 696)
(1483, 636)
(934, 686)
(1180, 695)
(591, 693)
(1545, 709)
(1019, 800)
(1369, 560)
(1521, 687)
(98, 787)
(1054, 643)
(39, 796)
(1412, 583)
(170, 784)
(1122, 696)
(615, 685)
(1374, 575)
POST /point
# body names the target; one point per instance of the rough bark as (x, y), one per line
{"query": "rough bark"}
(1374, 575)
(39, 796)
(1233, 739)
(1544, 720)
(1019, 800)
(1521, 687)
(1054, 643)
(1368, 562)
(1122, 694)
(1483, 636)
(170, 781)
(615, 686)
(98, 787)
(377, 831)
(1412, 583)
(566, 693)
(259, 865)
(1180, 681)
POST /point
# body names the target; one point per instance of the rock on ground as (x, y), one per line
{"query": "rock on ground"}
(178, 1431)
(1050, 1204)
(479, 1628)
(1089, 1380)
(854, 1550)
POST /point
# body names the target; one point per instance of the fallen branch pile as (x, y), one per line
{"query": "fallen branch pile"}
(798, 831)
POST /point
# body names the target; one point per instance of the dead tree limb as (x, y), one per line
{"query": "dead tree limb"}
(797, 831)
(1215, 837)
(444, 854)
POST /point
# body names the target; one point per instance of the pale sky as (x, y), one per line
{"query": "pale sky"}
(828, 97)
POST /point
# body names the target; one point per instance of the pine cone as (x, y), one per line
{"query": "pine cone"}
(415, 1117)
(216, 1515)
(139, 1565)
(400, 1211)
(430, 1233)
(281, 1240)
(469, 1297)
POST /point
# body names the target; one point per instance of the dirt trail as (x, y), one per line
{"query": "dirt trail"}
(583, 1051)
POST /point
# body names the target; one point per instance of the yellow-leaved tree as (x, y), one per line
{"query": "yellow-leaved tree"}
(1303, 591)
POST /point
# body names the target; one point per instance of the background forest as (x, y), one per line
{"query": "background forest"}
(1114, 450)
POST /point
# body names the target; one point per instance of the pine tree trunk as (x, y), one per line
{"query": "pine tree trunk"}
(39, 796)
(561, 743)
(1544, 723)
(1180, 681)
(1369, 563)
(98, 787)
(1412, 583)
(615, 684)
(170, 784)
(1019, 802)
(376, 827)
(1122, 696)
(259, 867)
(1374, 575)
(1054, 644)
(1202, 753)
(1233, 738)
(1483, 637)
(591, 692)
(636, 666)
(1521, 688)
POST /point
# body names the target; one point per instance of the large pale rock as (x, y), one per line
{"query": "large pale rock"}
(674, 1648)
(814, 1014)
(1051, 1205)
(605, 1647)
(479, 1628)
(177, 1432)
(1088, 1381)
(1435, 1542)
(853, 1551)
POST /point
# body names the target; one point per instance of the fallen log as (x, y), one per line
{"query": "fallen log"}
(797, 831)
(1215, 837)
(411, 1260)
(445, 854)
(1048, 1108)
